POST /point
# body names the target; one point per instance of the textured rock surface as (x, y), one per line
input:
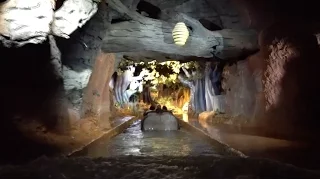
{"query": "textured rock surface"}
(222, 12)
(79, 55)
(96, 101)
(230, 16)
(156, 167)
(23, 22)
(154, 35)
(290, 90)
(240, 89)
(151, 35)
(206, 116)
(31, 90)
(72, 15)
(74, 83)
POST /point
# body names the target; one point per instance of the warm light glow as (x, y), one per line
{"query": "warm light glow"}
(161, 78)
(185, 117)
(180, 34)
(165, 101)
(185, 107)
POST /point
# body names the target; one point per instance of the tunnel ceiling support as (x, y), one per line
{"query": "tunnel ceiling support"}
(23, 22)
(146, 34)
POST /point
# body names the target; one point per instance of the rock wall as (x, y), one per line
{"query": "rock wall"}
(255, 66)
(277, 87)
(285, 69)
(79, 54)
(240, 87)
(290, 76)
(23, 22)
(220, 12)
(33, 88)
(48, 84)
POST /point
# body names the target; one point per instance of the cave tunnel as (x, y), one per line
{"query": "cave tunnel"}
(159, 89)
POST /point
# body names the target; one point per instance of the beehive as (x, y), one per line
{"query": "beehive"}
(180, 34)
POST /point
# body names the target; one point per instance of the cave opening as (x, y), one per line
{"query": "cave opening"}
(179, 85)
(150, 83)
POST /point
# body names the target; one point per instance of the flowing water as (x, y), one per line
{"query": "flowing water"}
(153, 143)
(164, 154)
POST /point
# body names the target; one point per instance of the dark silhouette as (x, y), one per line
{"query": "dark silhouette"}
(164, 108)
(152, 108)
(158, 110)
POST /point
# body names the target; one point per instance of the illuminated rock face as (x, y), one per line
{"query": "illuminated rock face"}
(74, 83)
(31, 21)
(78, 55)
(23, 22)
(72, 15)
(290, 91)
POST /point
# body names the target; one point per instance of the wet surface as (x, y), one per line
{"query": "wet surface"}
(120, 120)
(298, 153)
(151, 167)
(175, 154)
(153, 143)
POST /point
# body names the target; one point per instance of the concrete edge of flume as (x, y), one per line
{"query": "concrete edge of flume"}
(210, 139)
(108, 134)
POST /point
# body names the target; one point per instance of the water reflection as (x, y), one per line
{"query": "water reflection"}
(153, 143)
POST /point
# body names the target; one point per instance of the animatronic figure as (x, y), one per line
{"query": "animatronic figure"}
(125, 80)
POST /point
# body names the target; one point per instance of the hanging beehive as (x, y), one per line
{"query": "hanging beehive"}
(180, 34)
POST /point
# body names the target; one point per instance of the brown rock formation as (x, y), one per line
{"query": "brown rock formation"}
(96, 101)
(290, 76)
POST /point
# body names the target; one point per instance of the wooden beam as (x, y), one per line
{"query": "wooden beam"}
(134, 36)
